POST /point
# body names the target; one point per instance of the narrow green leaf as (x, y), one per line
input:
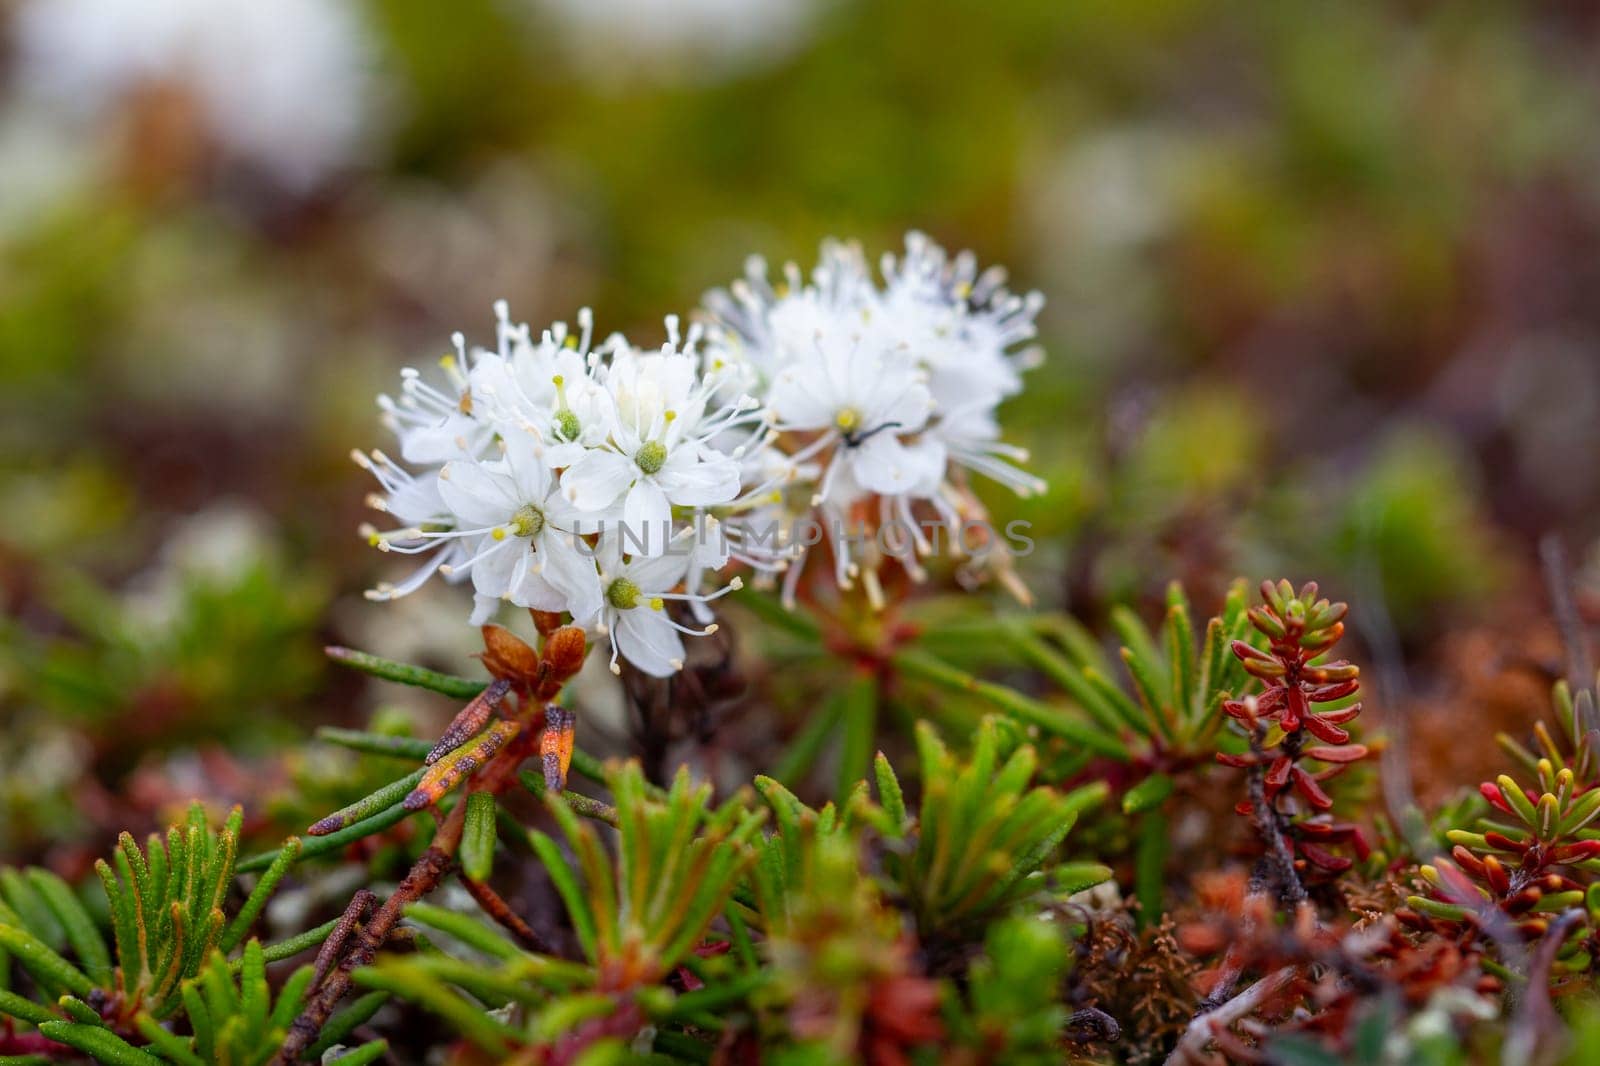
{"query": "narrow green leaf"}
(376, 743)
(194, 1008)
(259, 895)
(890, 795)
(478, 837)
(254, 995)
(79, 1011)
(394, 976)
(1179, 638)
(123, 930)
(1138, 644)
(858, 701)
(463, 928)
(1057, 721)
(1074, 877)
(461, 688)
(102, 1044)
(332, 842)
(367, 806)
(577, 903)
(48, 968)
(365, 1054)
(81, 932)
(291, 997)
(798, 758)
(1147, 794)
(285, 949)
(1070, 677)
(24, 1009)
(1150, 864)
(30, 908)
(1151, 689)
(168, 1044)
(345, 1022)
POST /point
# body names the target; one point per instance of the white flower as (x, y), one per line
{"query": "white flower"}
(658, 451)
(283, 86)
(634, 613)
(872, 404)
(539, 455)
(525, 547)
(964, 325)
(884, 390)
(547, 386)
(928, 357)
(436, 425)
(415, 501)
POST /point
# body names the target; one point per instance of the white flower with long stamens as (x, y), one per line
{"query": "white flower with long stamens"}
(416, 502)
(887, 391)
(525, 549)
(964, 326)
(658, 452)
(548, 386)
(872, 405)
(435, 425)
(634, 614)
(536, 446)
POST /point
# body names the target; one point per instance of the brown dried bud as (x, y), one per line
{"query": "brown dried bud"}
(546, 622)
(563, 653)
(508, 656)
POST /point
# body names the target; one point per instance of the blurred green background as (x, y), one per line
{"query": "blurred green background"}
(1322, 287)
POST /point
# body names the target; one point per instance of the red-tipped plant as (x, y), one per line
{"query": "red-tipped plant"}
(1296, 731)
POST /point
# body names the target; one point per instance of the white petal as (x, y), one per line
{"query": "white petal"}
(595, 481)
(528, 469)
(660, 573)
(483, 609)
(908, 410)
(882, 464)
(570, 569)
(646, 518)
(476, 496)
(698, 481)
(557, 456)
(534, 590)
(803, 397)
(491, 574)
(648, 641)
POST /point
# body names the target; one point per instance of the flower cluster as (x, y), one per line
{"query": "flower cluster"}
(882, 397)
(607, 481)
(566, 478)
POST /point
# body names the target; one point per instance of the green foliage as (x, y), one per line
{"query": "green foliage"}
(231, 1013)
(200, 638)
(166, 906)
(1414, 521)
(984, 832)
(677, 862)
(1014, 1011)
(638, 915)
(1177, 681)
